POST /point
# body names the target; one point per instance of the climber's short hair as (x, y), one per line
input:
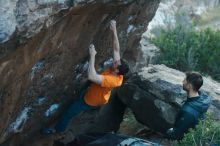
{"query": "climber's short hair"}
(123, 67)
(195, 79)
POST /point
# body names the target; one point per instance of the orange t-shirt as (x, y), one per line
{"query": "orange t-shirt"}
(97, 95)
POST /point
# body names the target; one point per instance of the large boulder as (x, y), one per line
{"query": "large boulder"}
(154, 94)
(41, 71)
(163, 86)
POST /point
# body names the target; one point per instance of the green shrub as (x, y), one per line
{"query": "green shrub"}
(186, 49)
(207, 132)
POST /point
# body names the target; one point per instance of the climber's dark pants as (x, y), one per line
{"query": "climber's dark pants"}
(75, 108)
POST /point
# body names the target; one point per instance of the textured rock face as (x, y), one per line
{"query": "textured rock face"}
(166, 84)
(23, 19)
(27, 18)
(40, 75)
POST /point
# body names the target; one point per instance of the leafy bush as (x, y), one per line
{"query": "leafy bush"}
(206, 133)
(186, 49)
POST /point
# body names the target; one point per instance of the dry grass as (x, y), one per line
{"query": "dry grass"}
(212, 15)
(130, 126)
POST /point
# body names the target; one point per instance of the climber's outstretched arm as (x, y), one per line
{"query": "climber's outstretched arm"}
(116, 46)
(92, 74)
